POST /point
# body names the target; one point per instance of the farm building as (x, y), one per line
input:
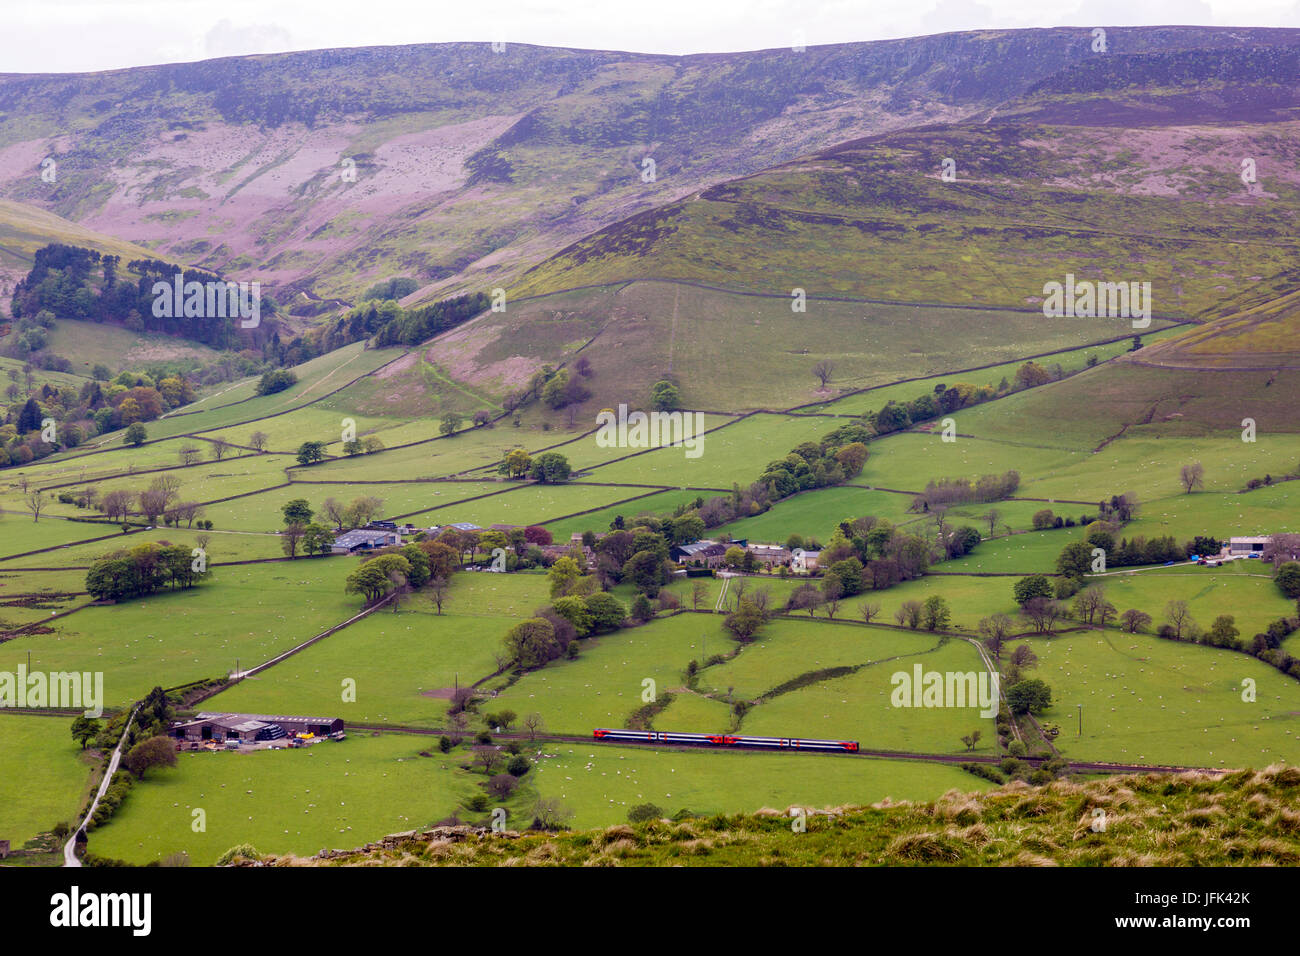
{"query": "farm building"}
(252, 727)
(1248, 545)
(364, 540)
(708, 554)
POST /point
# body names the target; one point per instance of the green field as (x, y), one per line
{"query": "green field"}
(396, 660)
(248, 613)
(284, 801)
(1146, 700)
(42, 776)
(600, 783)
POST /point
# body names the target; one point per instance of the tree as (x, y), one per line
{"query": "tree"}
(1044, 519)
(291, 537)
(562, 575)
(533, 723)
(532, 643)
(502, 785)
(257, 441)
(870, 610)
(451, 423)
(699, 594)
(1029, 696)
(1287, 579)
(1179, 617)
(317, 539)
(745, 621)
(135, 435)
(822, 371)
(991, 517)
(1223, 632)
(642, 609)
(995, 629)
(35, 501)
(310, 452)
(665, 397)
(806, 597)
(335, 511)
(1076, 560)
(152, 752)
(1134, 620)
(1192, 477)
(437, 589)
(550, 468)
(516, 463)
(734, 556)
(219, 448)
(85, 729)
(1043, 613)
(190, 454)
(296, 511)
(935, 614)
(909, 614)
(971, 739)
(488, 757)
(1034, 586)
(607, 612)
(574, 610)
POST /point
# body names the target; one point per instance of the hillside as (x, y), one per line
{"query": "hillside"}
(1244, 819)
(25, 228)
(471, 165)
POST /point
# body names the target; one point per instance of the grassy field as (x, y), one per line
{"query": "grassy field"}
(736, 453)
(816, 514)
(287, 801)
(1146, 700)
(249, 613)
(42, 775)
(660, 503)
(396, 659)
(600, 784)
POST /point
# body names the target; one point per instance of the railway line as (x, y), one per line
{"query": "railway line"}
(1076, 766)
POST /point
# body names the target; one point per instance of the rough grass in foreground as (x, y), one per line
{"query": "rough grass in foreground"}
(1246, 818)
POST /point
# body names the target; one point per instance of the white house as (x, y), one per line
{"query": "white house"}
(805, 562)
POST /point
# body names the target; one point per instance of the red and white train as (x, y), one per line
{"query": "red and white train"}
(723, 740)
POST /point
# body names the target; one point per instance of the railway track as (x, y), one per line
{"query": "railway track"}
(1077, 766)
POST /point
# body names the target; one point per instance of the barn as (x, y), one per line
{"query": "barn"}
(253, 727)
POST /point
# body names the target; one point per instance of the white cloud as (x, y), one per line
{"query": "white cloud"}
(227, 39)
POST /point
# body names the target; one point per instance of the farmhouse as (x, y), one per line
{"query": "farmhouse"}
(253, 727)
(804, 561)
(364, 539)
(770, 555)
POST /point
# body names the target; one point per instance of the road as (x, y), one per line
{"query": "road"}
(70, 848)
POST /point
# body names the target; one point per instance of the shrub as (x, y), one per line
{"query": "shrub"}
(644, 812)
(518, 766)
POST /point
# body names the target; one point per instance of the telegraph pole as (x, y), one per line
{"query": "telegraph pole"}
(1080, 706)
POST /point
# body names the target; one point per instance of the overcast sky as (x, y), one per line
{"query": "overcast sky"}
(58, 36)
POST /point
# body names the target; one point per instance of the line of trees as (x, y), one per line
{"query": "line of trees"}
(143, 570)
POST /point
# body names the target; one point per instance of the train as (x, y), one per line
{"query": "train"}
(723, 740)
